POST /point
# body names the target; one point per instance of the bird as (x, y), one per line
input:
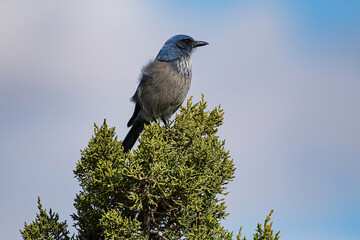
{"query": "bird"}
(163, 86)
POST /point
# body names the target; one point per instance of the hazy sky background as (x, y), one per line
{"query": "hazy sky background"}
(287, 74)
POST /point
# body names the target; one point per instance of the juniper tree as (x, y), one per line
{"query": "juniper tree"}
(266, 233)
(45, 226)
(170, 187)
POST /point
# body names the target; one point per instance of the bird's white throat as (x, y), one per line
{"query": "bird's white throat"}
(183, 65)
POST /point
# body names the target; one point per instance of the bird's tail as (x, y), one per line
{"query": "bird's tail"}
(132, 136)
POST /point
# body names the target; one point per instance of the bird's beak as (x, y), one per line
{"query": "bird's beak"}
(199, 44)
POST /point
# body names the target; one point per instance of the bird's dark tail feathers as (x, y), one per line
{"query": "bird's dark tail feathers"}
(132, 136)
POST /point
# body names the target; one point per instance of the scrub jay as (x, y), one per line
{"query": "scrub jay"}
(164, 84)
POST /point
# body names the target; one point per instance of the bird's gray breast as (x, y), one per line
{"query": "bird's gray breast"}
(163, 88)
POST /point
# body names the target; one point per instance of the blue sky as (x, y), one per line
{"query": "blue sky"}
(285, 72)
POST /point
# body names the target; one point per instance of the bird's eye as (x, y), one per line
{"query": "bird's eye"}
(188, 41)
(184, 43)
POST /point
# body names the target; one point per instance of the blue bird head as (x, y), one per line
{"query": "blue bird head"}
(177, 47)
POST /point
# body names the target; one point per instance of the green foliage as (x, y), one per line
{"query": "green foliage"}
(116, 226)
(265, 233)
(169, 187)
(45, 226)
